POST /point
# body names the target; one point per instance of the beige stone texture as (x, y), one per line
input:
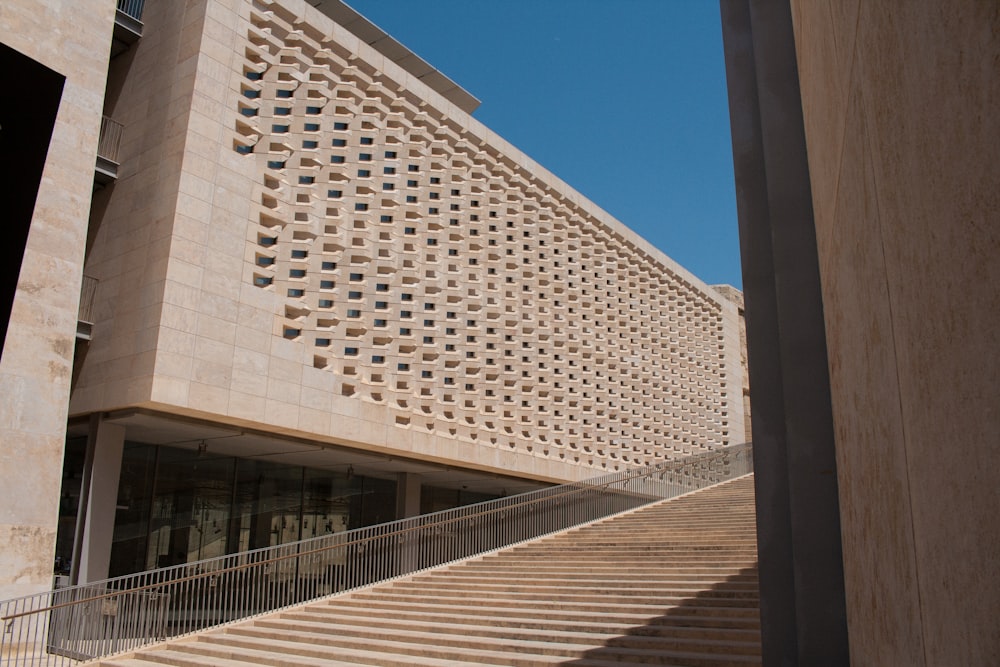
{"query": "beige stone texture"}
(72, 38)
(735, 350)
(902, 139)
(545, 338)
(150, 242)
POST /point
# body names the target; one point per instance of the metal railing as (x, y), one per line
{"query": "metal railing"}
(132, 8)
(103, 618)
(88, 289)
(109, 144)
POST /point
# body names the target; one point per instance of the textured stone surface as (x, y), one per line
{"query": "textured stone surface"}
(72, 38)
(902, 140)
(543, 337)
(671, 583)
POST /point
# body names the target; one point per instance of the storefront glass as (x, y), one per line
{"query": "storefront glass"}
(177, 506)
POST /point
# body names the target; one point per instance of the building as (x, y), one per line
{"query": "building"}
(865, 144)
(316, 294)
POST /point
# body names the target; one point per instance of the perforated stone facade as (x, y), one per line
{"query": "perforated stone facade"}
(342, 254)
(431, 273)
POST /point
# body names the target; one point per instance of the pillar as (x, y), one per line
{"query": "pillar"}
(802, 603)
(98, 501)
(407, 495)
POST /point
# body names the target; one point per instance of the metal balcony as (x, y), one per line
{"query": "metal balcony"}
(85, 318)
(128, 25)
(108, 148)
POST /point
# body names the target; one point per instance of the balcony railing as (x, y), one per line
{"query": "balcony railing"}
(128, 25)
(110, 142)
(85, 317)
(103, 618)
(108, 149)
(132, 8)
(87, 290)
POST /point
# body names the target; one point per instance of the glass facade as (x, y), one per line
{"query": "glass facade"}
(437, 499)
(176, 506)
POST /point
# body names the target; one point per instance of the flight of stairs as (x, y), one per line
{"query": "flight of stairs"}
(674, 583)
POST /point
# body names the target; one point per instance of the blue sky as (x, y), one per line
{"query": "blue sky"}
(625, 100)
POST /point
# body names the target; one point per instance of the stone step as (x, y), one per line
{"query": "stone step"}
(619, 581)
(171, 656)
(516, 592)
(452, 635)
(614, 559)
(574, 603)
(558, 569)
(626, 547)
(626, 550)
(599, 589)
(645, 537)
(385, 653)
(713, 616)
(674, 583)
(198, 655)
(678, 626)
(473, 650)
(740, 565)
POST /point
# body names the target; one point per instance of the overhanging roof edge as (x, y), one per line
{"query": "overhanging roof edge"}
(378, 39)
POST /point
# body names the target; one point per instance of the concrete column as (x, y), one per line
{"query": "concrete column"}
(803, 610)
(407, 495)
(98, 501)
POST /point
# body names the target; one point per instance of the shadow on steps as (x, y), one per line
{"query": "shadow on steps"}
(718, 627)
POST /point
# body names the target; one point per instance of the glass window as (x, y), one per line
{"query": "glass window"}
(132, 519)
(190, 507)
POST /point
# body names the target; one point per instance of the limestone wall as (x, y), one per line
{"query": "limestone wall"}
(72, 37)
(899, 102)
(341, 254)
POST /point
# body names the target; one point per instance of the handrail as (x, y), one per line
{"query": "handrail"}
(125, 613)
(269, 561)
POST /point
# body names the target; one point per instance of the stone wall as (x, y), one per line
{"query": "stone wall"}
(312, 242)
(73, 38)
(899, 102)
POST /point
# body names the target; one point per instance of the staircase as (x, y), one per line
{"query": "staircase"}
(674, 583)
